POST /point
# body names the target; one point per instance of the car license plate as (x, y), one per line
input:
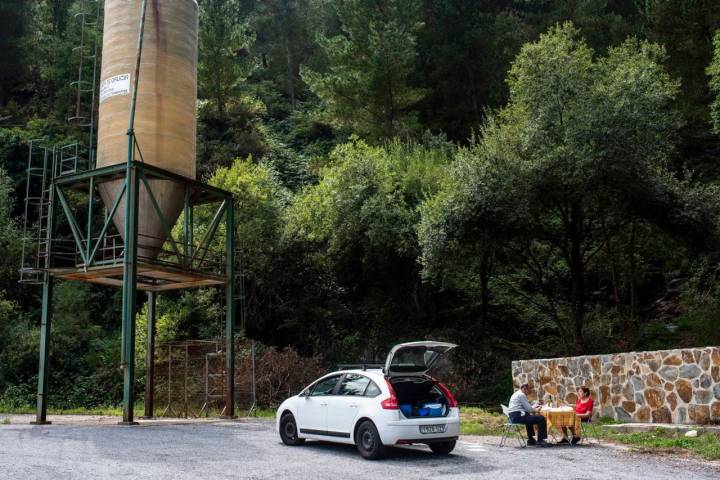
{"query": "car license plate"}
(432, 428)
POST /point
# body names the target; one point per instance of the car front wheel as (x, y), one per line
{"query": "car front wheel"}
(289, 430)
(368, 441)
(442, 448)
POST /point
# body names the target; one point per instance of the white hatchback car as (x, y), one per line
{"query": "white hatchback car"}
(398, 404)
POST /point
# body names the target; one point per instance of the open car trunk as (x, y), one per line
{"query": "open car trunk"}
(419, 397)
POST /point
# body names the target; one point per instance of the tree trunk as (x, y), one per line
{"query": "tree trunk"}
(484, 290)
(633, 267)
(577, 273)
(613, 263)
(291, 75)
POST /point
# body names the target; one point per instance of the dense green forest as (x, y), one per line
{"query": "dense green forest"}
(527, 178)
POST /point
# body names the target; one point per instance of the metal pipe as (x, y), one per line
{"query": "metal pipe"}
(45, 324)
(169, 381)
(46, 312)
(185, 386)
(207, 383)
(186, 225)
(241, 280)
(136, 80)
(129, 296)
(130, 254)
(150, 357)
(254, 395)
(230, 311)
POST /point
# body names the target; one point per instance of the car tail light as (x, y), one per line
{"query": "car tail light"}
(452, 402)
(390, 403)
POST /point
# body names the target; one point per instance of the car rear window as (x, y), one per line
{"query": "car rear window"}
(353, 384)
(413, 359)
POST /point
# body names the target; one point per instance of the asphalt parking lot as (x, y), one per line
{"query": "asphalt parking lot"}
(249, 449)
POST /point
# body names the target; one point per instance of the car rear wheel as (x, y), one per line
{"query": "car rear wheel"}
(368, 441)
(442, 448)
(289, 430)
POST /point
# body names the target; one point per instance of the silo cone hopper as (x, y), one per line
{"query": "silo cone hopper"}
(165, 117)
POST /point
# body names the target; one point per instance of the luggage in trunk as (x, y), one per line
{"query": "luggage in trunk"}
(419, 397)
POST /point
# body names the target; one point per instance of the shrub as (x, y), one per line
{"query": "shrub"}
(280, 373)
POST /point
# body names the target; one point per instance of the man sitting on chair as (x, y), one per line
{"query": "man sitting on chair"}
(520, 411)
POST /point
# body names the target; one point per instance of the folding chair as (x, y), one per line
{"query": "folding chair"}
(509, 426)
(588, 432)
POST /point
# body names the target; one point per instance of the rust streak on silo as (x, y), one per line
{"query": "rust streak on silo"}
(156, 16)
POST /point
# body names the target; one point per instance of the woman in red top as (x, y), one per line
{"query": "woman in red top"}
(583, 410)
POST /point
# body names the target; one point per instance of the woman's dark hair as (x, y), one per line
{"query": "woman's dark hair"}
(585, 390)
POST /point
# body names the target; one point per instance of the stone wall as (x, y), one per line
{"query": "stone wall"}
(668, 386)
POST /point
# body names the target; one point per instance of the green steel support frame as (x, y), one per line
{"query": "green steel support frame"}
(230, 312)
(190, 256)
(132, 184)
(46, 314)
(46, 317)
(150, 358)
(129, 298)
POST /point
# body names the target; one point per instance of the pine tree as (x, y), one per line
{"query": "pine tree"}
(224, 60)
(366, 87)
(285, 34)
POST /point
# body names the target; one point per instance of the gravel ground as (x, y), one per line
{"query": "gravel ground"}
(249, 449)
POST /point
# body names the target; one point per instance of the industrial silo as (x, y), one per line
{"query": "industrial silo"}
(165, 118)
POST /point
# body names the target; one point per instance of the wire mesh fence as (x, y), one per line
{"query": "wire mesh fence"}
(190, 378)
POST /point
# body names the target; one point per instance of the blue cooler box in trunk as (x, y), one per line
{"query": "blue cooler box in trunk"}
(432, 410)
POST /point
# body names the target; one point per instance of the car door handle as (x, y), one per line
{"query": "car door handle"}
(323, 404)
(353, 405)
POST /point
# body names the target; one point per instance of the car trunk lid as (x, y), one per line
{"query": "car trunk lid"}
(414, 358)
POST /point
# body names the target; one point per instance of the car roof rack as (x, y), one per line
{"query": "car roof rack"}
(360, 366)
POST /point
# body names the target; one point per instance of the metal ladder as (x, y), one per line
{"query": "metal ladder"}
(213, 394)
(83, 115)
(43, 166)
(70, 159)
(37, 199)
